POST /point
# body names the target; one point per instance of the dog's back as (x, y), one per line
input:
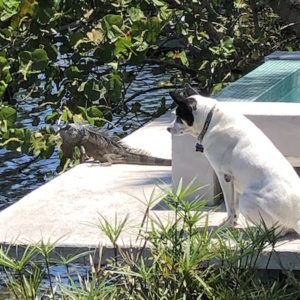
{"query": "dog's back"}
(268, 184)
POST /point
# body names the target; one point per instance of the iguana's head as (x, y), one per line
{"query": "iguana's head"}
(72, 136)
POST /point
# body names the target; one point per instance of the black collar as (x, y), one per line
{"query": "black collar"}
(199, 146)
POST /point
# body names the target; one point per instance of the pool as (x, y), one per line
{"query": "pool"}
(277, 80)
(293, 95)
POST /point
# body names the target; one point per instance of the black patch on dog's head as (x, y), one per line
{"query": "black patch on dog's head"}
(185, 112)
(184, 109)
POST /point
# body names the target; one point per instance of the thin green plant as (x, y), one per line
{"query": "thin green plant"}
(114, 231)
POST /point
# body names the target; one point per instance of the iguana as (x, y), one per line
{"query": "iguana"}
(99, 145)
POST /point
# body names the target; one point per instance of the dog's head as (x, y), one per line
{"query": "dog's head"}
(191, 113)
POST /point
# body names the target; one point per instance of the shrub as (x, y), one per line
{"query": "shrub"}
(176, 259)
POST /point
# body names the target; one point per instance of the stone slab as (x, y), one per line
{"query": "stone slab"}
(67, 209)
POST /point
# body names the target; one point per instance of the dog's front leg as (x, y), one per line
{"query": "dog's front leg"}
(230, 198)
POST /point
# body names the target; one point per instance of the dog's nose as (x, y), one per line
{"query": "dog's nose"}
(169, 129)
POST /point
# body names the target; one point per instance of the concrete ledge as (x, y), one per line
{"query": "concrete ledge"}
(67, 208)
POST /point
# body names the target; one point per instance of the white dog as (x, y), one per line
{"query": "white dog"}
(265, 185)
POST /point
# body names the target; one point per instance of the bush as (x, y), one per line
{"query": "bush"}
(177, 259)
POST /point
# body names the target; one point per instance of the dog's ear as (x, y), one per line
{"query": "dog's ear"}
(190, 91)
(182, 101)
(178, 99)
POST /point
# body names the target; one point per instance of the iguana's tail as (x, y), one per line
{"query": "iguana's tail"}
(156, 161)
(138, 159)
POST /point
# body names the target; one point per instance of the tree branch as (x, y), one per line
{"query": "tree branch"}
(139, 93)
(172, 65)
(255, 18)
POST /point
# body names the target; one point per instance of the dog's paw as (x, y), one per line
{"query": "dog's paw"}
(230, 221)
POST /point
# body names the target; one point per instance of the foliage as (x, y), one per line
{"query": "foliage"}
(176, 259)
(78, 62)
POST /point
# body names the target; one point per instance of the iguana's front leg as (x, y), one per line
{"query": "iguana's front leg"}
(107, 160)
(83, 155)
(104, 161)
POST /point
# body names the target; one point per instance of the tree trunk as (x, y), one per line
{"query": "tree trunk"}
(289, 12)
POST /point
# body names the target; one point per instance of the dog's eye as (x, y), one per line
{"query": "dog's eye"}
(178, 120)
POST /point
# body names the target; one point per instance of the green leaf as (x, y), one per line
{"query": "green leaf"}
(3, 61)
(8, 114)
(39, 59)
(138, 28)
(136, 14)
(8, 9)
(47, 151)
(78, 118)
(44, 13)
(5, 34)
(159, 3)
(25, 57)
(94, 112)
(138, 58)
(227, 42)
(13, 138)
(64, 116)
(114, 87)
(3, 86)
(51, 50)
(85, 115)
(92, 89)
(27, 141)
(75, 37)
(105, 53)
(217, 87)
(73, 72)
(33, 61)
(154, 28)
(111, 24)
(113, 20)
(50, 119)
(122, 46)
(184, 59)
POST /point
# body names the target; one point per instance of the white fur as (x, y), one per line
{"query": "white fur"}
(265, 185)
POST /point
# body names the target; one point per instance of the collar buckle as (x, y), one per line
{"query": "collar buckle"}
(199, 147)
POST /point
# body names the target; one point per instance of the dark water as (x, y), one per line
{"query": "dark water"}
(17, 179)
(59, 275)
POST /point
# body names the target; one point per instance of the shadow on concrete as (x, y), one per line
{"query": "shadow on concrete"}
(163, 206)
(150, 177)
